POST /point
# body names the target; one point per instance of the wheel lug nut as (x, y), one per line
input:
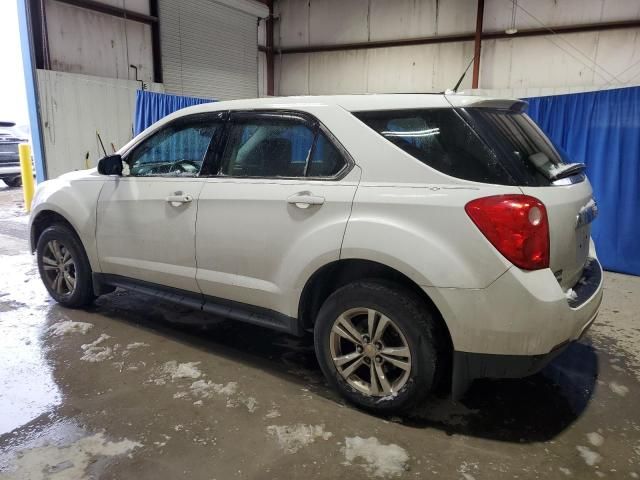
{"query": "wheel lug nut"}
(367, 360)
(365, 339)
(378, 359)
(359, 349)
(378, 346)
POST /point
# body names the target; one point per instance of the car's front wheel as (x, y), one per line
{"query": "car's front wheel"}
(377, 345)
(64, 267)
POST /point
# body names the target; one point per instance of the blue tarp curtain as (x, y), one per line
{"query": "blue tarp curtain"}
(602, 129)
(152, 106)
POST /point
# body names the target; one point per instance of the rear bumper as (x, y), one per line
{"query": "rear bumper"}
(9, 170)
(514, 327)
(520, 313)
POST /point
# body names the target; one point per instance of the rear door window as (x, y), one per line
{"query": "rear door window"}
(442, 139)
(268, 145)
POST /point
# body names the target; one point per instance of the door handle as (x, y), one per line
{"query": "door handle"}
(305, 200)
(176, 200)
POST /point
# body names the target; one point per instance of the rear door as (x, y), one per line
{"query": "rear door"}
(146, 220)
(277, 206)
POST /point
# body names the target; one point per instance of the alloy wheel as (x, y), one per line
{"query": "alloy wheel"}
(59, 268)
(370, 352)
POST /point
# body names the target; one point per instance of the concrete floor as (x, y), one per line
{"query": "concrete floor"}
(139, 390)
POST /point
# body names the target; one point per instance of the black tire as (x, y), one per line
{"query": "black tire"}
(411, 315)
(13, 181)
(82, 293)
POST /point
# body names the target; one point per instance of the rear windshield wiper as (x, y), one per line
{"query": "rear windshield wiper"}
(565, 170)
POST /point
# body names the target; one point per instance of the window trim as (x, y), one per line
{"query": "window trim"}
(307, 119)
(217, 116)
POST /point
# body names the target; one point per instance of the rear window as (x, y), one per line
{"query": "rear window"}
(442, 139)
(524, 149)
(479, 144)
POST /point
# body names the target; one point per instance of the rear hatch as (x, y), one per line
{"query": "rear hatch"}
(542, 170)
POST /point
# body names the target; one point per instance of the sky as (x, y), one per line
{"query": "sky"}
(13, 99)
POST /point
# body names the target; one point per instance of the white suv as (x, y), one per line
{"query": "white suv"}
(424, 239)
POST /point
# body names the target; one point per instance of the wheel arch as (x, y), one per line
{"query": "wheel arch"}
(43, 220)
(330, 277)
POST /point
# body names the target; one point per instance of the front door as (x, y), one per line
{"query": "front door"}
(278, 207)
(146, 220)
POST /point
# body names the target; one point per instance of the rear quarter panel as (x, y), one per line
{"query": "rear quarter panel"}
(424, 232)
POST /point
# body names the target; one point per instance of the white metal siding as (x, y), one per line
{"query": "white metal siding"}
(74, 107)
(208, 49)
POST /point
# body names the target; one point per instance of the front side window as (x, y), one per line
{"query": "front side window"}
(177, 150)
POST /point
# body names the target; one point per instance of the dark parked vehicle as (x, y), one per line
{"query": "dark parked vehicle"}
(9, 159)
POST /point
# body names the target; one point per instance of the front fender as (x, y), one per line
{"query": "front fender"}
(74, 198)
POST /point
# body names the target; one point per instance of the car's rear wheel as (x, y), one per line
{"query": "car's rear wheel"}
(64, 267)
(377, 345)
(13, 181)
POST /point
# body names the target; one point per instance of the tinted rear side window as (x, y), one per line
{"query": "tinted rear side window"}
(524, 149)
(441, 139)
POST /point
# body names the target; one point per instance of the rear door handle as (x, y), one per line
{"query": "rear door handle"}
(305, 200)
(176, 200)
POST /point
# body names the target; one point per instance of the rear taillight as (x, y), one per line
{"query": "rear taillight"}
(516, 225)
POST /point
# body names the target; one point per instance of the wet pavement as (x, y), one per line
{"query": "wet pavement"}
(136, 388)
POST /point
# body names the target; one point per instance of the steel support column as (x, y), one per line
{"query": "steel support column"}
(477, 44)
(269, 50)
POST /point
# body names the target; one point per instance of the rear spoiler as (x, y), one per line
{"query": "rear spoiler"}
(516, 106)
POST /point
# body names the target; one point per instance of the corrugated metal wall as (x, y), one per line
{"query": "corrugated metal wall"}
(92, 43)
(208, 49)
(73, 107)
(584, 59)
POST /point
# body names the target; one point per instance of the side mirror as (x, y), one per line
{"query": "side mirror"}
(110, 165)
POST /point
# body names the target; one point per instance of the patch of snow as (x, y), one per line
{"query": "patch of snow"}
(379, 460)
(70, 461)
(464, 469)
(206, 388)
(198, 403)
(69, 326)
(595, 439)
(292, 438)
(249, 402)
(133, 345)
(173, 370)
(570, 294)
(565, 470)
(618, 389)
(93, 352)
(273, 414)
(589, 456)
(186, 370)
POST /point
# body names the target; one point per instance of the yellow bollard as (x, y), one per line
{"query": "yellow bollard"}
(27, 174)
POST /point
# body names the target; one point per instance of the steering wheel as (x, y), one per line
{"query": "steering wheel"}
(185, 166)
